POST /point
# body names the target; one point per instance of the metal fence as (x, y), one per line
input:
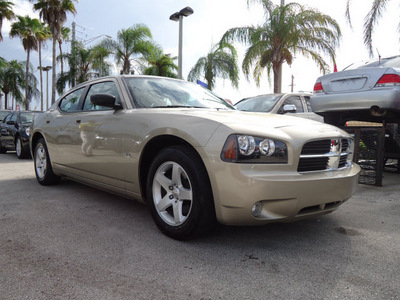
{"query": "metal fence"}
(369, 153)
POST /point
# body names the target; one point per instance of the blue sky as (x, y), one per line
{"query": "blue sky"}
(205, 27)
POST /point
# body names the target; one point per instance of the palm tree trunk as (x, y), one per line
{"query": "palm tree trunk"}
(62, 64)
(41, 75)
(26, 80)
(5, 100)
(277, 78)
(53, 81)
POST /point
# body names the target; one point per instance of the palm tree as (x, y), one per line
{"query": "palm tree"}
(99, 55)
(287, 30)
(65, 33)
(26, 28)
(54, 13)
(12, 80)
(160, 64)
(42, 34)
(221, 61)
(377, 9)
(83, 60)
(5, 13)
(134, 40)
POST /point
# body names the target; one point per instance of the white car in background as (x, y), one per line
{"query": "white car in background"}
(293, 104)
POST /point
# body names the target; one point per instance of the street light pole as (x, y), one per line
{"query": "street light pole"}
(178, 16)
(47, 69)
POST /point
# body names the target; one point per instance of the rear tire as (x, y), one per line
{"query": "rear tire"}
(43, 169)
(179, 193)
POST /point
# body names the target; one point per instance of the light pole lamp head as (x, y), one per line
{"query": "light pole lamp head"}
(174, 17)
(184, 12)
(187, 11)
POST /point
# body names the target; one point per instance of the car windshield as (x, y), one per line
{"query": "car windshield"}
(263, 103)
(393, 62)
(3, 114)
(159, 92)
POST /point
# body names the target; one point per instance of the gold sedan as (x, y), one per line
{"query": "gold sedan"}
(191, 156)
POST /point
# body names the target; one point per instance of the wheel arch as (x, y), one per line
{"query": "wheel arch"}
(150, 151)
(34, 139)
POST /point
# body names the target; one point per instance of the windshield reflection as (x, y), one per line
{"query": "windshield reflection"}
(159, 92)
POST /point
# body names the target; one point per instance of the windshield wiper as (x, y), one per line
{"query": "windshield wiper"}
(178, 106)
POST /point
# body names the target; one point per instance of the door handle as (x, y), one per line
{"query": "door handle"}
(77, 121)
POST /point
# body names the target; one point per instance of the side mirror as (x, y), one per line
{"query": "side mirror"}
(289, 108)
(106, 100)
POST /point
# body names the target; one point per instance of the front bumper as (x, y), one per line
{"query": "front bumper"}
(283, 196)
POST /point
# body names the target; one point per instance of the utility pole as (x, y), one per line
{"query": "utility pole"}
(292, 84)
(73, 52)
(280, 68)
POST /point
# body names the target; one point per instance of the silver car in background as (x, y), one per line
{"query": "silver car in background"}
(368, 91)
(293, 104)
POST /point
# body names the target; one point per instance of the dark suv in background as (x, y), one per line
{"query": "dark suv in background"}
(15, 132)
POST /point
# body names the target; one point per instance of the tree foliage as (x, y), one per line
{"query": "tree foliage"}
(6, 12)
(132, 41)
(221, 62)
(287, 30)
(12, 80)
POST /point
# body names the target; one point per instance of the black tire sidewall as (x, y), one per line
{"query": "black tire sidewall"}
(202, 211)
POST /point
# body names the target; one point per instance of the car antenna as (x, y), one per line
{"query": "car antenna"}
(379, 56)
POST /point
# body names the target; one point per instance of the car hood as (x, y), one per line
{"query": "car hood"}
(271, 125)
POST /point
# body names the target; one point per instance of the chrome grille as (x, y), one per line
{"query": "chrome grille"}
(327, 154)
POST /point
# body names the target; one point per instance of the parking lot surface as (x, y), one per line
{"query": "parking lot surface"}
(70, 241)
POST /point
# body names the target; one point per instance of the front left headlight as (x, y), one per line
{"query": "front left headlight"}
(240, 148)
(28, 131)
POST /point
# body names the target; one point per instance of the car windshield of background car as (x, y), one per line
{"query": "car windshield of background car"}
(26, 117)
(159, 92)
(258, 104)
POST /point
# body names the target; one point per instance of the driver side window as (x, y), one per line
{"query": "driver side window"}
(107, 87)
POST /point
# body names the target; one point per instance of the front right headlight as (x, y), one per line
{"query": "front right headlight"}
(241, 148)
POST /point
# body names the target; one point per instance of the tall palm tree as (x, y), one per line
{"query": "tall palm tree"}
(65, 34)
(26, 29)
(287, 30)
(12, 80)
(376, 11)
(134, 40)
(54, 13)
(5, 13)
(160, 64)
(221, 61)
(42, 34)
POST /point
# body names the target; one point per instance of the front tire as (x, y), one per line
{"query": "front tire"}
(179, 193)
(19, 149)
(43, 169)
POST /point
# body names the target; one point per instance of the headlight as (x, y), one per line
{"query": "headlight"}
(28, 131)
(252, 149)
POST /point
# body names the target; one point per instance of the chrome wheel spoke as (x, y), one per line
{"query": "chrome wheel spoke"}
(172, 193)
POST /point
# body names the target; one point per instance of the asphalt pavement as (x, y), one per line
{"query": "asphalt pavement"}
(71, 241)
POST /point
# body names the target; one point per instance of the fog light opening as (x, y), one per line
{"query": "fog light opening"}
(256, 209)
